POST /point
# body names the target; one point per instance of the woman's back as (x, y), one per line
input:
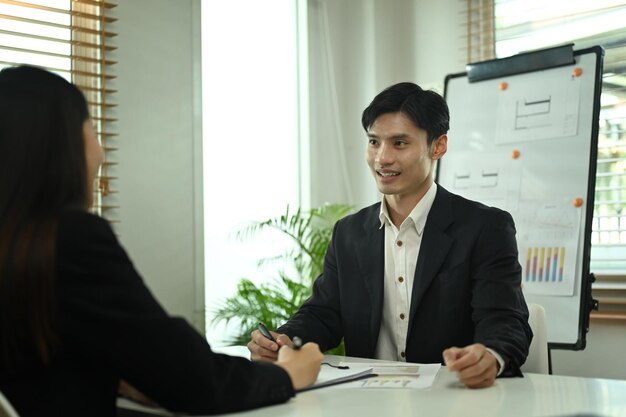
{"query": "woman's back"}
(111, 327)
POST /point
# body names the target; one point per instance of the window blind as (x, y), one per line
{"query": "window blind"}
(523, 25)
(480, 30)
(70, 38)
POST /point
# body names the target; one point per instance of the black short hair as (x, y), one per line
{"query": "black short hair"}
(426, 108)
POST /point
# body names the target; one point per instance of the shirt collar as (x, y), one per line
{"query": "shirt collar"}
(419, 213)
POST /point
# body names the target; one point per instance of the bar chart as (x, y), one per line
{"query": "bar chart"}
(544, 264)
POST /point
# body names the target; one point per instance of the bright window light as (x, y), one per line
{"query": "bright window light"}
(250, 137)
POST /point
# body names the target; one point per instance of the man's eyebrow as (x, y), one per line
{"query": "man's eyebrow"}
(399, 136)
(394, 136)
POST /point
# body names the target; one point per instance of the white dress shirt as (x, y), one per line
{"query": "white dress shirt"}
(402, 247)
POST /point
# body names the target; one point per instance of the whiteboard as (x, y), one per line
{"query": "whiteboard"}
(527, 143)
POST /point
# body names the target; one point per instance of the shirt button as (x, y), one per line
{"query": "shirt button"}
(401, 316)
(399, 243)
(400, 279)
(403, 354)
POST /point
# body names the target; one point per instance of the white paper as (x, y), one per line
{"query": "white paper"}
(388, 368)
(425, 377)
(538, 111)
(329, 374)
(548, 246)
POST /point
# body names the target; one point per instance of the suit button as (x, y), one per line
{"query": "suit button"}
(401, 279)
(403, 354)
(401, 316)
(399, 243)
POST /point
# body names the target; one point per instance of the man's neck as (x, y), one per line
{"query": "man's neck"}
(400, 206)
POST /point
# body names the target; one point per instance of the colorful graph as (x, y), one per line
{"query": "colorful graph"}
(542, 263)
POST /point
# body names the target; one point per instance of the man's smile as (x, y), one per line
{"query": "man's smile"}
(387, 173)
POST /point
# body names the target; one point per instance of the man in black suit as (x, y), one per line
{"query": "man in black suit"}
(424, 274)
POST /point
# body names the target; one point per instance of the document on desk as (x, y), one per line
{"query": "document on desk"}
(396, 375)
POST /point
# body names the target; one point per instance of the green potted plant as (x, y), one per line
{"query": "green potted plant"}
(275, 302)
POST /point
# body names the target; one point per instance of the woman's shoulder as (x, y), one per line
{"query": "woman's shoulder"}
(79, 222)
(81, 232)
(79, 219)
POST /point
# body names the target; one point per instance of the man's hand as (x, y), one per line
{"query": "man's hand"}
(474, 365)
(263, 349)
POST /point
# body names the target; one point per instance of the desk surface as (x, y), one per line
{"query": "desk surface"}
(533, 395)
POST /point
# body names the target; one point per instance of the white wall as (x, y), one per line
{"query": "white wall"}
(602, 358)
(159, 168)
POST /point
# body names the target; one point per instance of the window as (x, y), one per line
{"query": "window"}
(522, 25)
(70, 38)
(250, 137)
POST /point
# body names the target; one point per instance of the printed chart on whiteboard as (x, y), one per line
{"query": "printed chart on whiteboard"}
(548, 246)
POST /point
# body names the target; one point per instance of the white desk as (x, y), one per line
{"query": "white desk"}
(533, 395)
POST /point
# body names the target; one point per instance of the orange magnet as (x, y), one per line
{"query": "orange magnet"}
(577, 72)
(578, 202)
(504, 86)
(515, 154)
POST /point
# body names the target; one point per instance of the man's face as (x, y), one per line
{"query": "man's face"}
(399, 156)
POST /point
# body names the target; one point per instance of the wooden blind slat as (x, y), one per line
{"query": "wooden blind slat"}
(61, 41)
(40, 52)
(58, 25)
(106, 5)
(72, 72)
(104, 119)
(74, 13)
(96, 89)
(597, 315)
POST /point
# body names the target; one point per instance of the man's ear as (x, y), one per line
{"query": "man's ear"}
(439, 147)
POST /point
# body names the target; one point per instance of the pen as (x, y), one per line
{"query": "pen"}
(265, 332)
(297, 342)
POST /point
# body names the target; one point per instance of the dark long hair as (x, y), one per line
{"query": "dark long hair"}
(42, 172)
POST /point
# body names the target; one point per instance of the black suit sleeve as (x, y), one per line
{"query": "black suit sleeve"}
(319, 318)
(499, 310)
(109, 316)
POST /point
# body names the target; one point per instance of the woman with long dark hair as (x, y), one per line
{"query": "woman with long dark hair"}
(75, 316)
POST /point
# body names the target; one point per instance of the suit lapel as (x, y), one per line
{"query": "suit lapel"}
(370, 254)
(433, 250)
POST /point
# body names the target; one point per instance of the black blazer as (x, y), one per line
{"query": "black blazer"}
(111, 327)
(466, 288)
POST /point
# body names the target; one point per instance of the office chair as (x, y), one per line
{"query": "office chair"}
(538, 356)
(6, 409)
